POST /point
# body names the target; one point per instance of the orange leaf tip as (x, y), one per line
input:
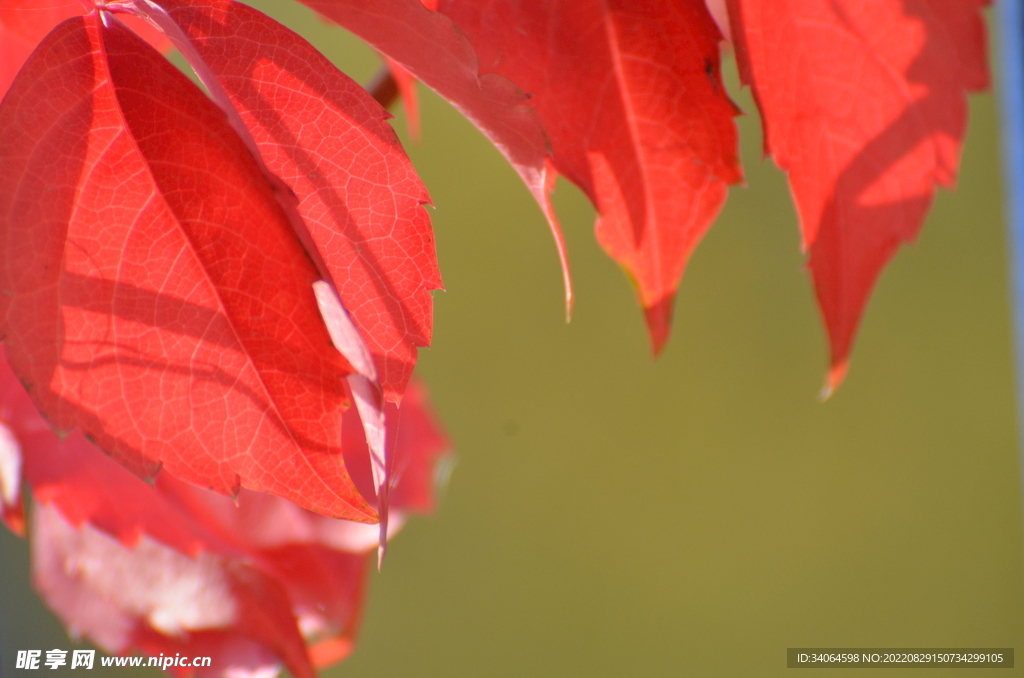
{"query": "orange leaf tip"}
(834, 378)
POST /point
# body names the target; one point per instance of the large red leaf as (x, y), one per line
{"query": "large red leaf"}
(632, 100)
(329, 141)
(155, 294)
(629, 94)
(437, 53)
(863, 106)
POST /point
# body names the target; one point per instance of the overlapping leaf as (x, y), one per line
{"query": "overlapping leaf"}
(23, 23)
(328, 140)
(863, 106)
(168, 567)
(629, 95)
(18, 37)
(156, 296)
(432, 49)
(631, 98)
(124, 598)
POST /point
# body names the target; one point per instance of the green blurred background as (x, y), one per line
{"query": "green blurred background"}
(611, 515)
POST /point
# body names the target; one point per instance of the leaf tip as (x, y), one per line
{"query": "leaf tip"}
(382, 544)
(14, 517)
(329, 651)
(542, 191)
(834, 378)
(659, 323)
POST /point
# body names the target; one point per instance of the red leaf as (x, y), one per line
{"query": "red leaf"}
(436, 53)
(326, 590)
(170, 567)
(23, 23)
(156, 295)
(151, 596)
(417, 444)
(329, 141)
(631, 97)
(863, 106)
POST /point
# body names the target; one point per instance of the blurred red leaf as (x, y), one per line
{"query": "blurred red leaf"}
(169, 567)
(405, 83)
(152, 597)
(158, 298)
(863, 106)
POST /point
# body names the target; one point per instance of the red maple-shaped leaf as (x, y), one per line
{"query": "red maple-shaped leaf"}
(155, 294)
(328, 140)
(631, 98)
(864, 107)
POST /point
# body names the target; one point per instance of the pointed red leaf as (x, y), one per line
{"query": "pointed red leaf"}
(417, 445)
(863, 106)
(155, 294)
(631, 97)
(329, 141)
(436, 53)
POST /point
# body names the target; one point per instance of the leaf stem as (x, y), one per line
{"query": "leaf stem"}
(383, 87)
